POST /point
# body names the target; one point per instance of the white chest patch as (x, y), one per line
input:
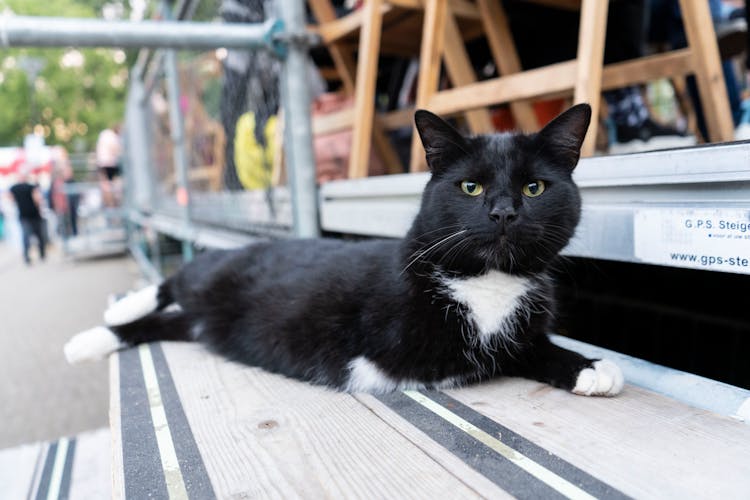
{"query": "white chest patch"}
(491, 299)
(366, 376)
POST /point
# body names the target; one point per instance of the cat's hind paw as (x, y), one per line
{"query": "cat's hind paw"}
(603, 378)
(91, 345)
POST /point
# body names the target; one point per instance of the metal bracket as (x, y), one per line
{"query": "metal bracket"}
(279, 39)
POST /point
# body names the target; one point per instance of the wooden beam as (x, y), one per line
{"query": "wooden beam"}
(646, 69)
(696, 17)
(538, 82)
(557, 80)
(461, 73)
(433, 30)
(590, 58)
(397, 119)
(342, 58)
(341, 27)
(503, 48)
(364, 93)
(329, 123)
(461, 8)
(346, 68)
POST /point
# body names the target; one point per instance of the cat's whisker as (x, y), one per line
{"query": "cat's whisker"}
(455, 250)
(441, 230)
(432, 248)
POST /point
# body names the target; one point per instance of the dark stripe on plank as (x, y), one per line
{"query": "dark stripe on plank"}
(49, 464)
(483, 459)
(142, 469)
(549, 461)
(194, 473)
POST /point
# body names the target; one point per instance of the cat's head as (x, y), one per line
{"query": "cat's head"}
(501, 201)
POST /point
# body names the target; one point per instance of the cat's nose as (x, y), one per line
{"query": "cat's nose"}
(504, 215)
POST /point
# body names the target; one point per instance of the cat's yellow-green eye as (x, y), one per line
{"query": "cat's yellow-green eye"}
(533, 189)
(471, 188)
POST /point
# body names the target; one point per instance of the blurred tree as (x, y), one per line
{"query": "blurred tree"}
(75, 92)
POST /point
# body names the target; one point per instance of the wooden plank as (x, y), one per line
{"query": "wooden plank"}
(504, 53)
(91, 475)
(623, 440)
(461, 8)
(472, 478)
(461, 72)
(436, 12)
(342, 58)
(556, 80)
(646, 69)
(383, 146)
(364, 93)
(590, 58)
(397, 119)
(696, 18)
(333, 122)
(538, 82)
(670, 64)
(345, 65)
(263, 435)
(336, 29)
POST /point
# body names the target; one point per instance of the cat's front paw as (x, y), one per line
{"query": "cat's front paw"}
(91, 345)
(603, 378)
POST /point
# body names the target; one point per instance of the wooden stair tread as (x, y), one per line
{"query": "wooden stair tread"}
(247, 432)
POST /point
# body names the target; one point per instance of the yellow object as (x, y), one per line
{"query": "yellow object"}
(252, 161)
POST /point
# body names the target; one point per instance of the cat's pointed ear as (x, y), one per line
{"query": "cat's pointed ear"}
(442, 143)
(563, 136)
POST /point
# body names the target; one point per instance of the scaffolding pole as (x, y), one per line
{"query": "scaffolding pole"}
(295, 94)
(32, 31)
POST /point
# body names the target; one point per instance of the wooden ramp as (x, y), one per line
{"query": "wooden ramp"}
(187, 424)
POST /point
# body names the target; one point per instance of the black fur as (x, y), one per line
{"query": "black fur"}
(307, 308)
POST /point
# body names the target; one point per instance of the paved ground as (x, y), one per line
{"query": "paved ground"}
(40, 308)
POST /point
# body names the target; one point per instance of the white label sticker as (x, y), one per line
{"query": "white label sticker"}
(717, 240)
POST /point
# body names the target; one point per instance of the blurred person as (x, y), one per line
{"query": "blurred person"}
(28, 199)
(64, 203)
(108, 164)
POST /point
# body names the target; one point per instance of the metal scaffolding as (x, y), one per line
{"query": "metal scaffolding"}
(285, 36)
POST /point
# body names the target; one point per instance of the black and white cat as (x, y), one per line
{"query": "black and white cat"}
(465, 296)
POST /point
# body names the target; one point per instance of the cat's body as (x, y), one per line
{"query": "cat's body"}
(464, 297)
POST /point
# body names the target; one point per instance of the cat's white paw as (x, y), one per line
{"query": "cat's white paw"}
(132, 307)
(91, 345)
(603, 379)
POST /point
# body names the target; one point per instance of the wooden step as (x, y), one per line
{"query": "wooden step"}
(76, 468)
(187, 423)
